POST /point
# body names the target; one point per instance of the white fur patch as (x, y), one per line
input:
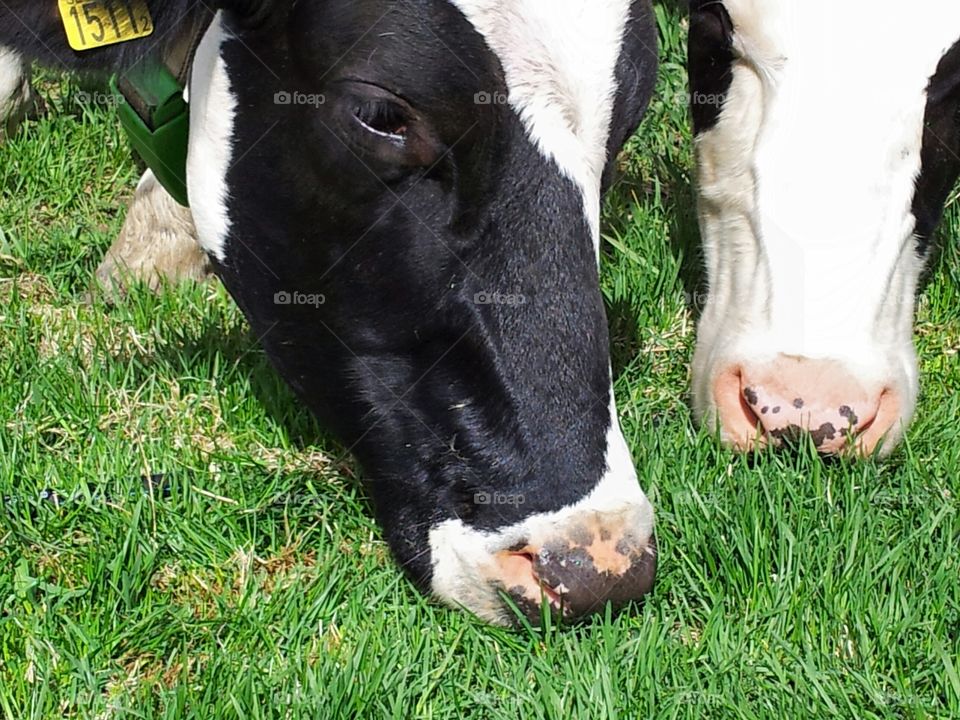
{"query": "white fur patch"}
(560, 61)
(213, 109)
(806, 187)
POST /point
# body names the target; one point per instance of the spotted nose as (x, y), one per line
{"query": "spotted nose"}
(579, 570)
(794, 397)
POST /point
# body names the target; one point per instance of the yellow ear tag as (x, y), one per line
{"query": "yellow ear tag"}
(94, 23)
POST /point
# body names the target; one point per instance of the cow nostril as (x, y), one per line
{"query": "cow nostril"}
(737, 408)
(874, 432)
(524, 584)
(529, 555)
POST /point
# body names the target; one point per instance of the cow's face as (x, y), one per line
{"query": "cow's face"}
(404, 198)
(827, 137)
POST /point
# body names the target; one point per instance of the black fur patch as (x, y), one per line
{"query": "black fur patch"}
(636, 76)
(709, 61)
(940, 163)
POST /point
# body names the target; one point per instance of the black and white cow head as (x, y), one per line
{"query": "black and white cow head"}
(403, 197)
(828, 139)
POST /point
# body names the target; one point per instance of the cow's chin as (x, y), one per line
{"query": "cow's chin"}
(575, 559)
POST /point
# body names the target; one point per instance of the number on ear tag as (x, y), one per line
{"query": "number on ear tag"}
(94, 23)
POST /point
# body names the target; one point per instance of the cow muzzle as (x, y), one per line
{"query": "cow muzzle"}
(791, 398)
(569, 564)
(578, 573)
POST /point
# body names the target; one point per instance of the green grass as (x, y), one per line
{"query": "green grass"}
(789, 587)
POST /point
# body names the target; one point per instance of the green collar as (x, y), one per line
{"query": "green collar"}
(153, 111)
(156, 119)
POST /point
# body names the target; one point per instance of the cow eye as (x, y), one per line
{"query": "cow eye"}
(382, 118)
(385, 130)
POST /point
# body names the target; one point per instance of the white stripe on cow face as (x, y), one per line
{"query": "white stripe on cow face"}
(559, 59)
(560, 62)
(806, 185)
(213, 108)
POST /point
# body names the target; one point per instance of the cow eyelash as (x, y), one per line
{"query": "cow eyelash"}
(382, 118)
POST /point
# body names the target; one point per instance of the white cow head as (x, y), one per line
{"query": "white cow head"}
(827, 137)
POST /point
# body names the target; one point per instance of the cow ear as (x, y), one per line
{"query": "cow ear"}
(96, 35)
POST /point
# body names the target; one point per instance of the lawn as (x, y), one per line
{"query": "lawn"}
(258, 585)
